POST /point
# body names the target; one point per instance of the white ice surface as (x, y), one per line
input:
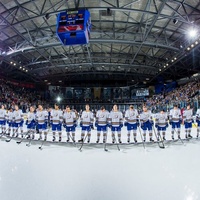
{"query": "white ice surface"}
(61, 172)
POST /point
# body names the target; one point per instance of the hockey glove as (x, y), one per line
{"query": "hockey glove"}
(125, 123)
(156, 125)
(64, 125)
(96, 124)
(26, 122)
(170, 122)
(152, 122)
(81, 124)
(91, 126)
(121, 125)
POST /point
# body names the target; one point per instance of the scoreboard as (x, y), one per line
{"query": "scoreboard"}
(73, 27)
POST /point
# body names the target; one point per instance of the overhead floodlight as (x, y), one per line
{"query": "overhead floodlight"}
(188, 48)
(58, 99)
(192, 33)
(192, 45)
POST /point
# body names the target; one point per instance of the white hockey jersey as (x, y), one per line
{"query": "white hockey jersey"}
(69, 118)
(115, 118)
(9, 116)
(188, 115)
(102, 117)
(87, 118)
(30, 117)
(17, 116)
(146, 116)
(161, 119)
(175, 115)
(131, 116)
(41, 116)
(2, 114)
(198, 114)
(56, 116)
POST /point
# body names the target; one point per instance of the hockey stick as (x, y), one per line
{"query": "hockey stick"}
(116, 143)
(8, 140)
(74, 142)
(80, 149)
(105, 149)
(40, 147)
(19, 142)
(141, 133)
(4, 133)
(179, 137)
(30, 140)
(157, 137)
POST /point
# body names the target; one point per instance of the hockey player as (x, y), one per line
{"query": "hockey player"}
(175, 120)
(86, 123)
(3, 119)
(18, 120)
(56, 118)
(116, 123)
(161, 123)
(131, 122)
(146, 123)
(188, 120)
(198, 121)
(30, 122)
(70, 122)
(41, 120)
(9, 118)
(101, 123)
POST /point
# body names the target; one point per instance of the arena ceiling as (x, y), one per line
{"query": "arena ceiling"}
(132, 42)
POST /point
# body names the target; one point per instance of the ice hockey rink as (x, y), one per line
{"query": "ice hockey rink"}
(61, 171)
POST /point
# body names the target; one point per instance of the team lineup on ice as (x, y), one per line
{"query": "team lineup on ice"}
(111, 128)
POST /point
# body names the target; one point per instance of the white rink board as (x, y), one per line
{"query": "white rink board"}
(63, 172)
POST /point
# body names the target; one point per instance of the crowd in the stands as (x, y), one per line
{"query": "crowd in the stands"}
(11, 94)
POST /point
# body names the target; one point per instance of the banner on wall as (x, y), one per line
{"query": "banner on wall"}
(78, 93)
(125, 93)
(117, 93)
(107, 93)
(87, 93)
(69, 93)
(97, 92)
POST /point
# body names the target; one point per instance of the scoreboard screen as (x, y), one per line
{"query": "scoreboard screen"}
(73, 27)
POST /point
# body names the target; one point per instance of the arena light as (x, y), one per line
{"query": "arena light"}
(167, 64)
(192, 33)
(164, 66)
(172, 60)
(58, 99)
(192, 45)
(175, 58)
(196, 42)
(188, 48)
(11, 62)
